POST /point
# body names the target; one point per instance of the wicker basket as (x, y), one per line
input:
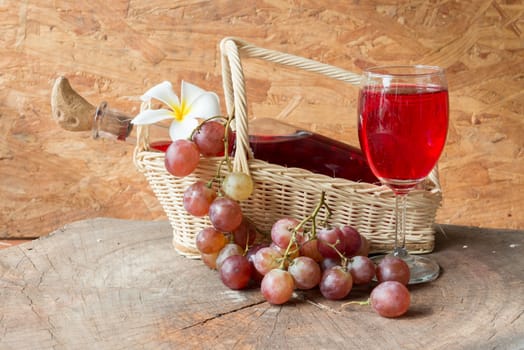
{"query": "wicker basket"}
(281, 191)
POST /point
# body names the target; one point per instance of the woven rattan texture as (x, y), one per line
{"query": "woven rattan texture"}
(281, 191)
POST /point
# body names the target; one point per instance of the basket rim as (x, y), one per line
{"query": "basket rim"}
(325, 181)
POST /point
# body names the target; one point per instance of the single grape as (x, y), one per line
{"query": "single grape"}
(238, 185)
(250, 255)
(392, 268)
(197, 198)
(362, 269)
(245, 234)
(282, 231)
(210, 260)
(277, 286)
(390, 299)
(352, 240)
(225, 214)
(210, 240)
(364, 247)
(181, 158)
(336, 283)
(310, 249)
(235, 272)
(210, 138)
(229, 249)
(267, 259)
(329, 238)
(306, 272)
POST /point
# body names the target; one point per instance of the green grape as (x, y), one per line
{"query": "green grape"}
(238, 186)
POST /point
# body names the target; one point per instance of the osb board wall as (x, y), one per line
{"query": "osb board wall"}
(115, 50)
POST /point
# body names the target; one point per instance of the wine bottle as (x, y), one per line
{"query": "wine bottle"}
(270, 140)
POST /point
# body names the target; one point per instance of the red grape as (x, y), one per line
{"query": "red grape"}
(336, 283)
(245, 234)
(210, 138)
(277, 286)
(267, 259)
(197, 198)
(235, 272)
(210, 260)
(225, 214)
(364, 247)
(362, 269)
(282, 230)
(327, 238)
(310, 249)
(390, 299)
(352, 240)
(306, 272)
(250, 255)
(228, 250)
(182, 157)
(210, 240)
(392, 268)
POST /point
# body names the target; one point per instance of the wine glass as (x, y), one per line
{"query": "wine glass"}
(402, 127)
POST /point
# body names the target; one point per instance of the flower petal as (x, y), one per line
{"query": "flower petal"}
(205, 106)
(190, 92)
(182, 129)
(150, 116)
(162, 92)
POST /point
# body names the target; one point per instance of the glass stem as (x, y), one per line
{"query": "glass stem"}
(400, 225)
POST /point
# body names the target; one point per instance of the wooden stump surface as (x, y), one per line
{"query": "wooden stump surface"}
(115, 50)
(116, 284)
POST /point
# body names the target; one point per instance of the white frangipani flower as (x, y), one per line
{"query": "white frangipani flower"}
(194, 103)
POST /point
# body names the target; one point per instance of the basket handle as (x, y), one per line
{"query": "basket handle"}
(235, 91)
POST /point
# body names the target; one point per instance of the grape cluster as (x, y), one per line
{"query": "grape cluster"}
(298, 254)
(298, 258)
(210, 139)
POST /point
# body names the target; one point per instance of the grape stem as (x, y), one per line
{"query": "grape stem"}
(343, 258)
(310, 218)
(226, 158)
(302, 296)
(199, 126)
(365, 302)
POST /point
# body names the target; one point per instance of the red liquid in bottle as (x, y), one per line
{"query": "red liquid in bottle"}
(313, 152)
(160, 145)
(303, 149)
(402, 131)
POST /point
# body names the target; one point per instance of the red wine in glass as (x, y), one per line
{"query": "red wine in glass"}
(403, 130)
(403, 123)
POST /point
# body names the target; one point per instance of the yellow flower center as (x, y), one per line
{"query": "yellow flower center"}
(181, 111)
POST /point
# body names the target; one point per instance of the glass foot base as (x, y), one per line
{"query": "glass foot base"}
(421, 269)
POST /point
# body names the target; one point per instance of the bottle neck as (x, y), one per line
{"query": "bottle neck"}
(111, 124)
(116, 125)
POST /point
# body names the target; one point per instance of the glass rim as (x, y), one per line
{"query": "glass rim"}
(403, 70)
